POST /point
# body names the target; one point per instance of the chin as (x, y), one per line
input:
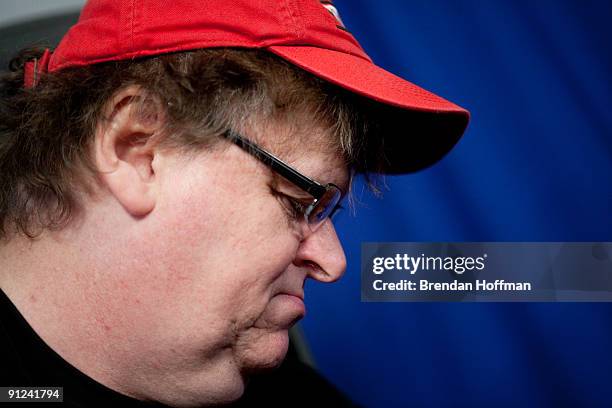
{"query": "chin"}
(226, 387)
(267, 353)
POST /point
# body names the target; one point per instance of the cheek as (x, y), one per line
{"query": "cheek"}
(223, 248)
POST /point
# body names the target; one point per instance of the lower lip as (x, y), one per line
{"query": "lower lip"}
(293, 303)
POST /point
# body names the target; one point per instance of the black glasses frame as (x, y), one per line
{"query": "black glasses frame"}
(326, 197)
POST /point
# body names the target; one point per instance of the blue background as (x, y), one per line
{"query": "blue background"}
(534, 165)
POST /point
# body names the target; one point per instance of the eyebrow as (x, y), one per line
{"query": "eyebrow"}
(311, 186)
(344, 187)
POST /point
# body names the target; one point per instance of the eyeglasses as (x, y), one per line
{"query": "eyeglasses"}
(326, 197)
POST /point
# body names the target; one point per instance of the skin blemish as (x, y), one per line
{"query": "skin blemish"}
(103, 324)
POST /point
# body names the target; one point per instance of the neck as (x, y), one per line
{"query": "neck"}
(64, 291)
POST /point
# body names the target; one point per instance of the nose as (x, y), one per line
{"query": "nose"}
(322, 253)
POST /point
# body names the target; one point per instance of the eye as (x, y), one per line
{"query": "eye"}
(295, 207)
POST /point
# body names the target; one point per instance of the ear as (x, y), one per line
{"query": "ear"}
(125, 149)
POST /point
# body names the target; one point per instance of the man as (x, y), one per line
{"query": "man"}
(167, 178)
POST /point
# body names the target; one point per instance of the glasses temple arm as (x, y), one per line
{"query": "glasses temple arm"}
(312, 187)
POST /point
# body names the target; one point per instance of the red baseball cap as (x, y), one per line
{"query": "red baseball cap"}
(307, 33)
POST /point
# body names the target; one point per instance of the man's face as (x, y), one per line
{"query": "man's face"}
(223, 263)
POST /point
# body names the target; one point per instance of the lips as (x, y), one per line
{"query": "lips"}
(299, 295)
(297, 299)
(282, 311)
(294, 303)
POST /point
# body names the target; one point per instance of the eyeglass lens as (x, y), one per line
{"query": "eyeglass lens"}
(323, 207)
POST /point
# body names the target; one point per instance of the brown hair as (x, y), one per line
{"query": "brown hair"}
(45, 132)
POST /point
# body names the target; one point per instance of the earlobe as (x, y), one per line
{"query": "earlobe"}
(125, 149)
(135, 196)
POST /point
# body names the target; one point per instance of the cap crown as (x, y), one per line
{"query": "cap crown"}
(110, 30)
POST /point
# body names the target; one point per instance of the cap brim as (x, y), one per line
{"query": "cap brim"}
(424, 126)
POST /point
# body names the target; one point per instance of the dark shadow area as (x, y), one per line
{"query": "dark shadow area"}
(47, 31)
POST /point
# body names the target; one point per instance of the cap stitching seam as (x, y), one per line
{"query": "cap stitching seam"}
(147, 52)
(185, 47)
(299, 20)
(294, 26)
(132, 27)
